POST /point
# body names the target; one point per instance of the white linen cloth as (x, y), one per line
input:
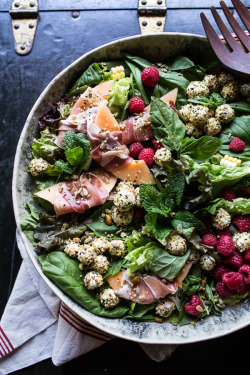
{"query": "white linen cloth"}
(36, 325)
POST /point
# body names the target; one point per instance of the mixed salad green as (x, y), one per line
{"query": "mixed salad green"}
(146, 215)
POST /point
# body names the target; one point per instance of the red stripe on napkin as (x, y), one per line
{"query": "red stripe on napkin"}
(5, 344)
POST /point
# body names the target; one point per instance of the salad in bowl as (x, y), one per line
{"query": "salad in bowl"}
(142, 200)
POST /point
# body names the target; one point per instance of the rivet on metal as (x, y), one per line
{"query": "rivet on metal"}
(22, 47)
(16, 26)
(159, 2)
(75, 14)
(31, 25)
(17, 5)
(32, 4)
(144, 23)
(144, 2)
(159, 23)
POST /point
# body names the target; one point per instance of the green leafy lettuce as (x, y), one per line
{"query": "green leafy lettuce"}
(118, 97)
(28, 222)
(45, 147)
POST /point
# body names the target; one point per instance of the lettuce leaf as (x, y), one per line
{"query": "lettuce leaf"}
(28, 222)
(239, 206)
(45, 148)
(118, 97)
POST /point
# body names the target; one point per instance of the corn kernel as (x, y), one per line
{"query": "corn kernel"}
(238, 163)
(234, 160)
(226, 157)
(230, 158)
(117, 72)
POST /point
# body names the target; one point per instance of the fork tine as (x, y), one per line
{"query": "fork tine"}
(225, 32)
(243, 13)
(218, 46)
(244, 39)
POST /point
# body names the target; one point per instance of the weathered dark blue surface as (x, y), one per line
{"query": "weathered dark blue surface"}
(60, 39)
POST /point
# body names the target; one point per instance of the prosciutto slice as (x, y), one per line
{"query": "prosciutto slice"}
(90, 190)
(137, 129)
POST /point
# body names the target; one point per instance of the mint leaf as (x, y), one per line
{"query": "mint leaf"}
(77, 149)
(65, 167)
(156, 202)
(72, 140)
(186, 220)
(201, 149)
(158, 224)
(75, 156)
(175, 188)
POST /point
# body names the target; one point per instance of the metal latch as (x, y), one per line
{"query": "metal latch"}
(24, 14)
(152, 15)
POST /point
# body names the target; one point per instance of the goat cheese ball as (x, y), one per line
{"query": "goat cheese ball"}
(194, 256)
(117, 248)
(193, 130)
(212, 82)
(224, 113)
(73, 248)
(207, 262)
(199, 115)
(124, 199)
(100, 264)
(100, 245)
(230, 91)
(224, 78)
(185, 112)
(93, 280)
(176, 245)
(242, 241)
(38, 166)
(165, 307)
(212, 127)
(108, 298)
(245, 90)
(221, 219)
(196, 88)
(86, 255)
(121, 218)
(162, 155)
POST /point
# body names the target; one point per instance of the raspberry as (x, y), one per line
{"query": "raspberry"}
(194, 306)
(234, 260)
(245, 272)
(242, 289)
(225, 245)
(232, 280)
(242, 222)
(156, 144)
(147, 154)
(223, 290)
(219, 270)
(150, 76)
(223, 232)
(247, 257)
(136, 105)
(228, 195)
(246, 192)
(135, 149)
(139, 213)
(209, 239)
(237, 145)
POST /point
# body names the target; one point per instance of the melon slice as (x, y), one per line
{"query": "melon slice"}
(170, 97)
(89, 98)
(115, 281)
(136, 172)
(104, 88)
(105, 120)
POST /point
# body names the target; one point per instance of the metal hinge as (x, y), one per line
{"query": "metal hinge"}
(152, 15)
(24, 14)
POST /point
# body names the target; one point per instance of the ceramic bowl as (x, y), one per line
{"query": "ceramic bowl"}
(155, 47)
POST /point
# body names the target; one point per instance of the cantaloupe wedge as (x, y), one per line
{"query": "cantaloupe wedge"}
(170, 97)
(115, 281)
(105, 120)
(136, 172)
(104, 88)
(88, 98)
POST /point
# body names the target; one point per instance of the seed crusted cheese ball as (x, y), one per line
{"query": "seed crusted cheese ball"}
(121, 218)
(230, 91)
(212, 82)
(108, 298)
(194, 256)
(38, 166)
(93, 280)
(224, 78)
(100, 245)
(212, 127)
(199, 115)
(196, 88)
(124, 199)
(221, 219)
(162, 155)
(224, 113)
(73, 248)
(207, 262)
(100, 264)
(117, 248)
(192, 130)
(176, 245)
(125, 185)
(185, 112)
(245, 90)
(137, 197)
(242, 241)
(165, 307)
(86, 255)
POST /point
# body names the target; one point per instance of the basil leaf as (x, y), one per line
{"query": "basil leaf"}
(243, 107)
(201, 149)
(167, 126)
(186, 219)
(65, 273)
(166, 265)
(115, 267)
(77, 91)
(137, 77)
(181, 63)
(65, 167)
(91, 77)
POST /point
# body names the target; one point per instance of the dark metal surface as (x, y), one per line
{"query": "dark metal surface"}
(66, 30)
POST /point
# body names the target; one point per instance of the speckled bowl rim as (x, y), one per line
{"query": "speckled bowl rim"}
(115, 326)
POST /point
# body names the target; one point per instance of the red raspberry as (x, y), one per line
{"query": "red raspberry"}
(150, 76)
(135, 149)
(209, 239)
(228, 195)
(247, 257)
(223, 232)
(232, 280)
(156, 144)
(219, 271)
(242, 289)
(136, 105)
(225, 245)
(147, 154)
(192, 304)
(234, 260)
(223, 290)
(245, 272)
(237, 145)
(139, 213)
(246, 192)
(242, 222)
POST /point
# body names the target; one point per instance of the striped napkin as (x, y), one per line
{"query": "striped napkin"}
(36, 325)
